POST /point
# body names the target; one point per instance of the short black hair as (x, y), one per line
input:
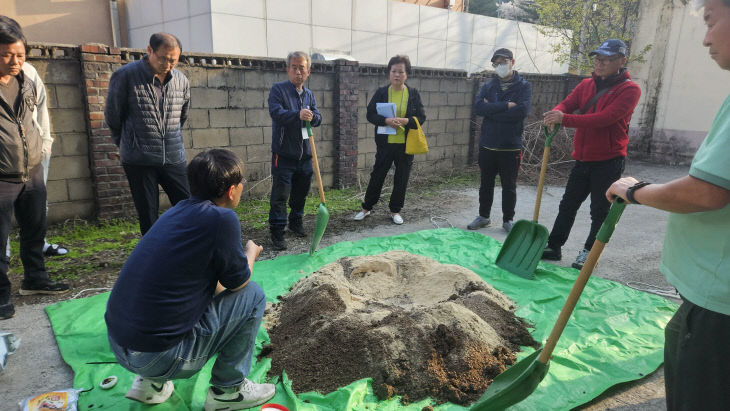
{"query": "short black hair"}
(400, 59)
(212, 172)
(166, 40)
(10, 31)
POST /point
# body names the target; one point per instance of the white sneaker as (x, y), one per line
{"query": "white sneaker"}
(397, 219)
(248, 395)
(361, 215)
(149, 392)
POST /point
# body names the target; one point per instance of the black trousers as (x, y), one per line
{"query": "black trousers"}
(28, 201)
(696, 359)
(506, 164)
(586, 177)
(291, 181)
(143, 181)
(385, 156)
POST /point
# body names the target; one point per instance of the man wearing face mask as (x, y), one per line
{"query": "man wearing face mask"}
(504, 102)
(600, 109)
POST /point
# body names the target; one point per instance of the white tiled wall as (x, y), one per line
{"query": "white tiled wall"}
(370, 30)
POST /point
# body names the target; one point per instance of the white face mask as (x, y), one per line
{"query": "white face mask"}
(502, 70)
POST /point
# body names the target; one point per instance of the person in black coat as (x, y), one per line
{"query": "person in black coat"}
(391, 148)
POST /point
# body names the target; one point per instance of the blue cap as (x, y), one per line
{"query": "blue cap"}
(610, 47)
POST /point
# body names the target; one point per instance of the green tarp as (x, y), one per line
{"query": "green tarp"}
(615, 334)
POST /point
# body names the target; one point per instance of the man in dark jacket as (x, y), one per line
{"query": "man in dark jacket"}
(504, 103)
(22, 189)
(605, 102)
(291, 105)
(146, 108)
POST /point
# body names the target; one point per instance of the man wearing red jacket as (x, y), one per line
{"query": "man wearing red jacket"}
(600, 109)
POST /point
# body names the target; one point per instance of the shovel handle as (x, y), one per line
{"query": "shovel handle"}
(609, 224)
(315, 162)
(550, 134)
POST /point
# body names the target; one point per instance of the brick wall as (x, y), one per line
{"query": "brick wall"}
(229, 109)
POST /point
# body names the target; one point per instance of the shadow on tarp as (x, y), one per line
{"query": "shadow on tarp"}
(615, 334)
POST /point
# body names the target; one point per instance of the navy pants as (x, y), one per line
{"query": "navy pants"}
(291, 181)
(143, 181)
(385, 156)
(586, 177)
(506, 164)
(28, 202)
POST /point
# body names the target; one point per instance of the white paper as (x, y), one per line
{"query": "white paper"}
(386, 110)
(305, 135)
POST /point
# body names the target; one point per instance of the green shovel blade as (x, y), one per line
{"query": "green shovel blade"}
(323, 216)
(513, 385)
(522, 249)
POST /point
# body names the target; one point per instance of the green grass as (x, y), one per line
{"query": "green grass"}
(106, 244)
(254, 213)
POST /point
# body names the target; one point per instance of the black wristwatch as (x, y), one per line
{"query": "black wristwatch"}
(630, 191)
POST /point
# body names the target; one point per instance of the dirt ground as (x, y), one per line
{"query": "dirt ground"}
(631, 259)
(417, 327)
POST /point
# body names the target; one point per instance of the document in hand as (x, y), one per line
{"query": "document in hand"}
(386, 110)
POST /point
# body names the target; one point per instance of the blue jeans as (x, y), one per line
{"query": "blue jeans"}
(227, 328)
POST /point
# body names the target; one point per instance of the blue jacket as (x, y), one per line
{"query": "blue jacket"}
(284, 106)
(502, 127)
(145, 136)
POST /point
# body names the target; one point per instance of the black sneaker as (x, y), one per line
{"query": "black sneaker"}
(43, 287)
(277, 241)
(7, 311)
(297, 228)
(552, 253)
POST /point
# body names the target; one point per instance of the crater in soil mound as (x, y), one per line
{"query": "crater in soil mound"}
(417, 327)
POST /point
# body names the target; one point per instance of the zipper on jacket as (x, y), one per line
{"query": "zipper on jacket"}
(21, 129)
(163, 125)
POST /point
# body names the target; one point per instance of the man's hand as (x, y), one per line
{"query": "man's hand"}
(552, 118)
(511, 105)
(619, 187)
(306, 114)
(486, 101)
(253, 250)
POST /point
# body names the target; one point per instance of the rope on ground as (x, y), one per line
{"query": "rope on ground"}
(90, 289)
(435, 220)
(652, 289)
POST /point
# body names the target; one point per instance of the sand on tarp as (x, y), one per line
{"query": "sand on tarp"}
(417, 327)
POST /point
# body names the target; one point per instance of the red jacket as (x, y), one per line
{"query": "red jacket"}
(601, 134)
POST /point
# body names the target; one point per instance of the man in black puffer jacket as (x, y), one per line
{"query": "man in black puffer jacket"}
(504, 103)
(146, 108)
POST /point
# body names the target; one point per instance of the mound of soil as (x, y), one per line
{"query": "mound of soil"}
(417, 327)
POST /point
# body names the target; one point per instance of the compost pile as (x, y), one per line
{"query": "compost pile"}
(417, 327)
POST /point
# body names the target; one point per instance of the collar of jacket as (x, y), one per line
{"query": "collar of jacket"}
(294, 88)
(622, 75)
(516, 78)
(149, 75)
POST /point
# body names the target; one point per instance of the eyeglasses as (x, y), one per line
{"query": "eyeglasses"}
(166, 60)
(500, 62)
(598, 61)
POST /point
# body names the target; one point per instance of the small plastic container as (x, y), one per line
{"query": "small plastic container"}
(273, 407)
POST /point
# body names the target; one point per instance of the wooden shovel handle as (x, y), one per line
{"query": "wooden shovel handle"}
(315, 163)
(572, 300)
(541, 183)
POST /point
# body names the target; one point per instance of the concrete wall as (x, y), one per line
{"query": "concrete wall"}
(371, 31)
(68, 22)
(70, 189)
(682, 87)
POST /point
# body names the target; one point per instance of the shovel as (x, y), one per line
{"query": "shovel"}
(520, 380)
(522, 249)
(323, 215)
